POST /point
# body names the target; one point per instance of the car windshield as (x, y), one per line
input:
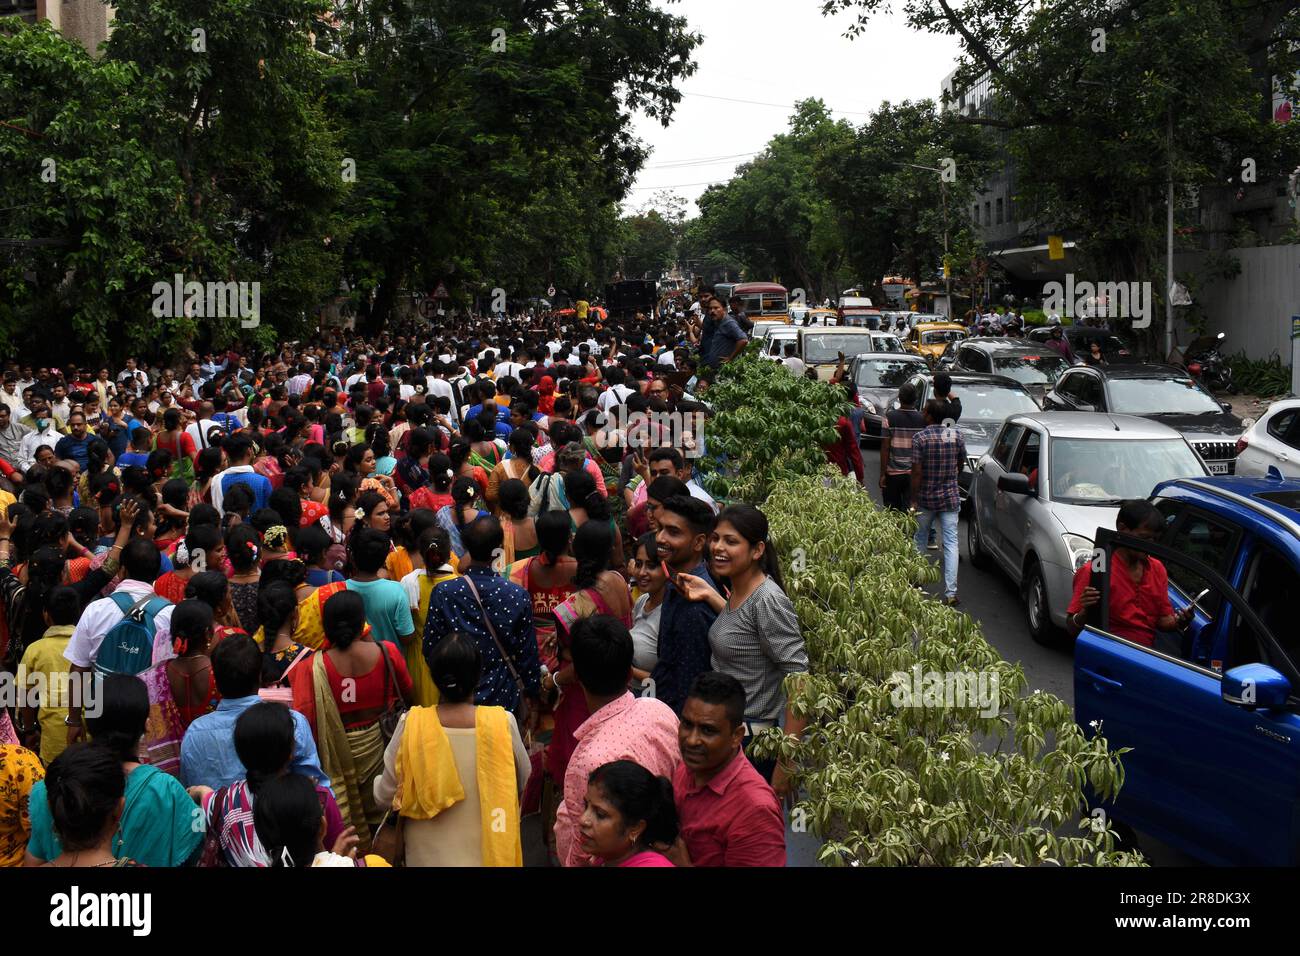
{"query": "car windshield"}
(886, 343)
(992, 403)
(1031, 369)
(942, 336)
(1106, 471)
(823, 346)
(1155, 396)
(886, 373)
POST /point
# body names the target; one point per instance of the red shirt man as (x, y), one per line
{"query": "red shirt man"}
(727, 813)
(1139, 583)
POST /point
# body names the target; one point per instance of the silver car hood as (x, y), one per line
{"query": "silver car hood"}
(1083, 519)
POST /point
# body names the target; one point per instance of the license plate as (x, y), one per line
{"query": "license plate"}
(1218, 467)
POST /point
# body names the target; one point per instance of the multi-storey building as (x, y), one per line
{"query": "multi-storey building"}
(86, 21)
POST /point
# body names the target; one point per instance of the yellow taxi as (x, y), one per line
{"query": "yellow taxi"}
(929, 339)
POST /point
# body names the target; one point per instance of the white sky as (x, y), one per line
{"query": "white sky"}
(777, 52)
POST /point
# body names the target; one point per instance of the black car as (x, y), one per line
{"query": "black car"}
(1114, 350)
(1031, 364)
(878, 376)
(986, 402)
(1162, 393)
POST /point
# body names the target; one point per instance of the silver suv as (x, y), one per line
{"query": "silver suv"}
(1048, 481)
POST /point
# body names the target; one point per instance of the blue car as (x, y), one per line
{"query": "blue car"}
(1212, 714)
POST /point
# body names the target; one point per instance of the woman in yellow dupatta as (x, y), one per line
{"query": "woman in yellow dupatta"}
(454, 772)
(435, 549)
(348, 736)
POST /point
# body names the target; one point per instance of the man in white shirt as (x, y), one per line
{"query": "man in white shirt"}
(512, 368)
(134, 374)
(438, 385)
(617, 393)
(792, 361)
(11, 397)
(141, 563)
(61, 407)
(198, 431)
(555, 346)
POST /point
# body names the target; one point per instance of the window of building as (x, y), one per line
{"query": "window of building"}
(999, 211)
(988, 218)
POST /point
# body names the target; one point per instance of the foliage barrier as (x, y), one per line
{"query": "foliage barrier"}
(888, 777)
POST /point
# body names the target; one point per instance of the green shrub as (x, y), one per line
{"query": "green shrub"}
(767, 425)
(997, 780)
(1264, 377)
(994, 780)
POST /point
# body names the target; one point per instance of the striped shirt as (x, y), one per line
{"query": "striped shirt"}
(942, 453)
(901, 426)
(759, 643)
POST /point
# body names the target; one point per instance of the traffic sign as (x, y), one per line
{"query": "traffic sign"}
(551, 291)
(441, 292)
(1055, 247)
(428, 308)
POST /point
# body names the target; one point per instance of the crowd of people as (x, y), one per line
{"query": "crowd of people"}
(384, 602)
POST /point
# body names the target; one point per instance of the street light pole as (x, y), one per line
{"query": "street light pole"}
(1169, 239)
(943, 193)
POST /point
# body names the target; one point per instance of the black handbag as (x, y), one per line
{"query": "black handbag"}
(521, 709)
(391, 717)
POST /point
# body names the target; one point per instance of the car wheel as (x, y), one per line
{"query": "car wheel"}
(1034, 589)
(975, 540)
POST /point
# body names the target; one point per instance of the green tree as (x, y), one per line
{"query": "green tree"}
(491, 139)
(1101, 101)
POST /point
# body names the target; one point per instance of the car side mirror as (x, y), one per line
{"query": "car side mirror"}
(1226, 406)
(1255, 686)
(1015, 484)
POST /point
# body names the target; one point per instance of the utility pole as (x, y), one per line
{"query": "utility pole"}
(1169, 238)
(943, 193)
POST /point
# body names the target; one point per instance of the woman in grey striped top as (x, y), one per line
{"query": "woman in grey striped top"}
(756, 636)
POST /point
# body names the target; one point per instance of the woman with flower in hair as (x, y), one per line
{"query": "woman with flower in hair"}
(200, 549)
(437, 494)
(243, 548)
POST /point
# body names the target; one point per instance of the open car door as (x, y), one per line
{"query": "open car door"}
(1215, 763)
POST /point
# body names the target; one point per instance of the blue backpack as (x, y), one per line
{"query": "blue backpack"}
(127, 648)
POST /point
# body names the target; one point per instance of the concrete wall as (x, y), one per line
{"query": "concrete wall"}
(1255, 308)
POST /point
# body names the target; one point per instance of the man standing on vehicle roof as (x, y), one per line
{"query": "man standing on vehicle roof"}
(1139, 583)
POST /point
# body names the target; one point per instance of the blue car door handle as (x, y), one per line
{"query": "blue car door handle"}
(1100, 681)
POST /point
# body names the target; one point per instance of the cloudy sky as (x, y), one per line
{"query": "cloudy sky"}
(772, 53)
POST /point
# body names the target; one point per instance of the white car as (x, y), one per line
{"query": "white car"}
(1272, 442)
(775, 339)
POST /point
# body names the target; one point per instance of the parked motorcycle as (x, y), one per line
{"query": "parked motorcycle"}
(1206, 363)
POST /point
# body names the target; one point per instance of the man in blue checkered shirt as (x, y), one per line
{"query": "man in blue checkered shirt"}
(938, 456)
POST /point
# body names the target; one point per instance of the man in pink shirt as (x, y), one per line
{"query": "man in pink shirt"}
(727, 812)
(621, 726)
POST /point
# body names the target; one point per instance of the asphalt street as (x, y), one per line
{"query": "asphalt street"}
(994, 601)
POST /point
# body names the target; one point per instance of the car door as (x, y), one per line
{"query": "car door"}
(1092, 396)
(1279, 447)
(1216, 543)
(974, 360)
(1063, 396)
(1218, 780)
(1012, 510)
(984, 486)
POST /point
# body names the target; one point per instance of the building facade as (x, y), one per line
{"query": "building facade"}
(86, 21)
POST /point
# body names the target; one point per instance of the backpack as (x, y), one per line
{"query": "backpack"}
(544, 496)
(127, 648)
